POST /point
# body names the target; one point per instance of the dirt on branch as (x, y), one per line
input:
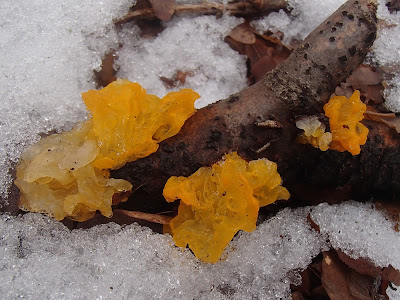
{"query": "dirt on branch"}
(259, 121)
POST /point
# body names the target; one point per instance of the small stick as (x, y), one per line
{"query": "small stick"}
(242, 8)
(145, 216)
(383, 115)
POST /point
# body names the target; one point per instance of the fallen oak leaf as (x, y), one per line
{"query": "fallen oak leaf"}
(366, 267)
(392, 209)
(163, 9)
(364, 75)
(393, 123)
(243, 33)
(264, 52)
(177, 80)
(360, 286)
(334, 277)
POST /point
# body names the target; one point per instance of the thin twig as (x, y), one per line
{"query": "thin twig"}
(383, 115)
(243, 8)
(145, 216)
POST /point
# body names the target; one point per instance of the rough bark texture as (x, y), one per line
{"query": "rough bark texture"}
(299, 86)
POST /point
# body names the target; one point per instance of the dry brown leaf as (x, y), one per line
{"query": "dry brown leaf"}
(393, 123)
(243, 33)
(360, 286)
(106, 75)
(177, 80)
(334, 277)
(368, 81)
(392, 209)
(297, 296)
(365, 266)
(364, 75)
(264, 52)
(163, 9)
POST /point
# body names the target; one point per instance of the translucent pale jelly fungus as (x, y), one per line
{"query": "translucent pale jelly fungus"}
(314, 133)
(56, 176)
(344, 119)
(129, 124)
(66, 175)
(218, 201)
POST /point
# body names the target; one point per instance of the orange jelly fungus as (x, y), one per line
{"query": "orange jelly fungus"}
(344, 119)
(129, 124)
(66, 175)
(218, 201)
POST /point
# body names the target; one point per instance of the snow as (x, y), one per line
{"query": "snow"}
(178, 49)
(41, 259)
(49, 51)
(359, 230)
(303, 18)
(386, 54)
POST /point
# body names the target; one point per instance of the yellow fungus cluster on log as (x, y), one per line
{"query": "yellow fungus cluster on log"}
(344, 120)
(218, 201)
(66, 175)
(314, 133)
(56, 176)
(347, 133)
(129, 124)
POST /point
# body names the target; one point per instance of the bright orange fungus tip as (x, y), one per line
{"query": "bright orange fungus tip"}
(344, 120)
(66, 175)
(218, 201)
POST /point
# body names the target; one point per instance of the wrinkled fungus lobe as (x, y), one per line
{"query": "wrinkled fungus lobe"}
(66, 175)
(314, 133)
(344, 120)
(218, 201)
(56, 176)
(129, 124)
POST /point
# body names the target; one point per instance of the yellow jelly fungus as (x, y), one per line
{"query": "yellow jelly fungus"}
(218, 201)
(56, 176)
(314, 133)
(129, 124)
(66, 175)
(344, 119)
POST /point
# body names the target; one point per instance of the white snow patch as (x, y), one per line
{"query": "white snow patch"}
(304, 17)
(360, 231)
(192, 44)
(41, 259)
(386, 53)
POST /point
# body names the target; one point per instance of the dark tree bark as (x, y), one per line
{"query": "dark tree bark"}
(259, 121)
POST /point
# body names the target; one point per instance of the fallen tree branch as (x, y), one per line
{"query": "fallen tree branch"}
(299, 86)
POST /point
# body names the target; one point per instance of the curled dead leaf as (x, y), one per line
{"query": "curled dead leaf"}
(163, 9)
(243, 33)
(364, 75)
(366, 267)
(334, 277)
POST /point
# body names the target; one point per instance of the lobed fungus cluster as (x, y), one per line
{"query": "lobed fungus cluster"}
(66, 175)
(218, 201)
(347, 132)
